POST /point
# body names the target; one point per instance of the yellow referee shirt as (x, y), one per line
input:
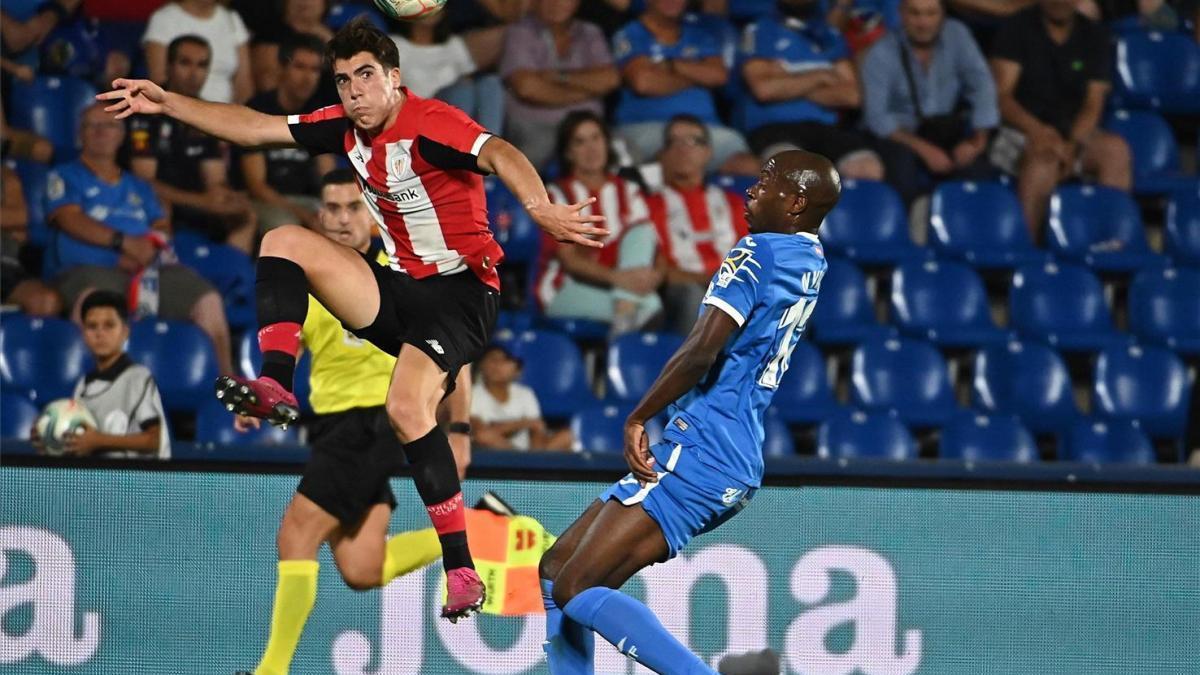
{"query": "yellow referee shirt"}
(346, 372)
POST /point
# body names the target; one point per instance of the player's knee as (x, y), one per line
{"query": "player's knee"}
(569, 584)
(408, 418)
(282, 240)
(551, 562)
(362, 577)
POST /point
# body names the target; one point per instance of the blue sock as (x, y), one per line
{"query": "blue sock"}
(635, 631)
(570, 648)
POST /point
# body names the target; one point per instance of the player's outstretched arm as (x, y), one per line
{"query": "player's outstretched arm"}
(234, 123)
(564, 222)
(683, 371)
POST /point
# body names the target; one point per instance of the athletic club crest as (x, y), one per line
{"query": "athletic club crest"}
(400, 166)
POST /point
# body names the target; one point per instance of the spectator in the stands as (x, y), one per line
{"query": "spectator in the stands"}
(799, 75)
(615, 284)
(697, 223)
(434, 63)
(929, 97)
(553, 63)
(505, 414)
(17, 286)
(301, 18)
(186, 166)
(23, 144)
(863, 22)
(230, 78)
(23, 29)
(670, 66)
(283, 181)
(111, 227)
(1052, 68)
(121, 395)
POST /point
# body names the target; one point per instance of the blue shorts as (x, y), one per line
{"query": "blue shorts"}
(690, 497)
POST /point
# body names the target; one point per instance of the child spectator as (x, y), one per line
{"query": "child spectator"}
(505, 414)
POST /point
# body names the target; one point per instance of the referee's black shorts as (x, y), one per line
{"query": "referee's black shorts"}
(354, 454)
(449, 318)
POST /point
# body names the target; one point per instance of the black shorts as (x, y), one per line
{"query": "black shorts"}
(354, 454)
(823, 139)
(449, 318)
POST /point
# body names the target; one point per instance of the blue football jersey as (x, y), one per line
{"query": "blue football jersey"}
(768, 284)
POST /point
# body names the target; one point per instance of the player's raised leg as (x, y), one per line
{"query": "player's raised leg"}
(293, 262)
(418, 384)
(367, 558)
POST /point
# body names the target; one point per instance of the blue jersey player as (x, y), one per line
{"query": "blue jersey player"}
(717, 386)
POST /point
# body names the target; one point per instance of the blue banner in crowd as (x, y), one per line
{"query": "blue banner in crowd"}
(121, 571)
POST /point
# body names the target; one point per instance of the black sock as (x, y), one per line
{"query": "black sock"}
(436, 478)
(282, 295)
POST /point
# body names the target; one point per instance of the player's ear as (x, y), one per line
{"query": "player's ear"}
(394, 75)
(799, 203)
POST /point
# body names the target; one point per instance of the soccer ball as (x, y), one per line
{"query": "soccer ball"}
(410, 10)
(60, 420)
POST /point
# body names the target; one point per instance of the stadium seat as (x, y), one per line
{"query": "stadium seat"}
(944, 302)
(516, 232)
(33, 188)
(1157, 70)
(228, 269)
(601, 428)
(869, 225)
(635, 360)
(17, 415)
(52, 107)
(515, 320)
(1164, 308)
(342, 13)
(1063, 305)
(736, 184)
(180, 356)
(1100, 227)
(41, 357)
(553, 368)
(1107, 442)
(981, 223)
(905, 375)
(1183, 227)
(1143, 383)
(854, 434)
(249, 361)
(777, 439)
(579, 330)
(1155, 153)
(804, 395)
(1029, 380)
(214, 425)
(974, 437)
(844, 313)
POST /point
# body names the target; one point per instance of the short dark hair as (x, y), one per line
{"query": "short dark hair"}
(685, 118)
(97, 299)
(189, 39)
(300, 42)
(567, 129)
(360, 36)
(339, 177)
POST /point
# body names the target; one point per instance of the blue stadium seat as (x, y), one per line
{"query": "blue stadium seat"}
(601, 428)
(554, 369)
(777, 438)
(516, 232)
(182, 359)
(579, 330)
(342, 13)
(1029, 380)
(1155, 153)
(944, 302)
(33, 188)
(1157, 70)
(1164, 308)
(905, 375)
(249, 361)
(854, 434)
(41, 357)
(635, 360)
(52, 107)
(844, 313)
(1063, 305)
(981, 223)
(735, 184)
(515, 320)
(1183, 227)
(228, 269)
(974, 437)
(1143, 383)
(869, 225)
(804, 395)
(1100, 227)
(17, 415)
(214, 425)
(1107, 442)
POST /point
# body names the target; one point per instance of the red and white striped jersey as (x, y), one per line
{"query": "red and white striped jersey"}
(422, 183)
(698, 226)
(618, 200)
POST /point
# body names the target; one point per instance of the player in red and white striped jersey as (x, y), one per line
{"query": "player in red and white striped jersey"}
(615, 284)
(420, 163)
(697, 223)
